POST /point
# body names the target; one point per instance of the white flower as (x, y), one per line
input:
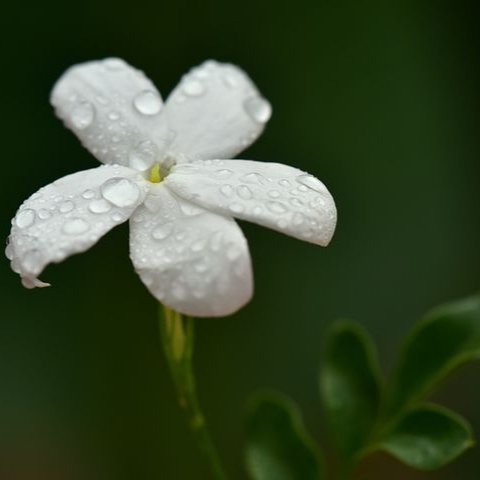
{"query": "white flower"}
(162, 173)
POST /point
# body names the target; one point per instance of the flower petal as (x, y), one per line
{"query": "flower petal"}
(216, 112)
(69, 216)
(192, 260)
(115, 111)
(270, 194)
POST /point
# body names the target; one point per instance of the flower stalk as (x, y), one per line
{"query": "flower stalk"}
(177, 334)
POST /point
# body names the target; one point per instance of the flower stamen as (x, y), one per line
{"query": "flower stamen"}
(155, 174)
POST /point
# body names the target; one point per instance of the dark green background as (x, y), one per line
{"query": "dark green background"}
(378, 99)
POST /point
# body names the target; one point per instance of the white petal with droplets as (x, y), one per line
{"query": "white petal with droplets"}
(114, 109)
(70, 215)
(192, 260)
(216, 112)
(270, 194)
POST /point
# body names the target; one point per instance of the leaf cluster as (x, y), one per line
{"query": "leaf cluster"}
(368, 414)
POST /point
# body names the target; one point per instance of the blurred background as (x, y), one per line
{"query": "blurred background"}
(377, 99)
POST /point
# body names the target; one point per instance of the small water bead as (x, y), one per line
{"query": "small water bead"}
(297, 219)
(303, 188)
(100, 206)
(122, 192)
(82, 115)
(227, 190)
(198, 245)
(253, 178)
(162, 231)
(223, 174)
(257, 211)
(244, 192)
(230, 80)
(44, 214)
(276, 207)
(193, 88)
(9, 251)
(66, 206)
(25, 218)
(117, 217)
(143, 156)
(236, 208)
(273, 193)
(114, 63)
(311, 182)
(75, 226)
(295, 202)
(147, 103)
(114, 115)
(190, 209)
(284, 183)
(258, 109)
(88, 194)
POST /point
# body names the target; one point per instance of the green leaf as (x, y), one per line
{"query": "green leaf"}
(278, 446)
(447, 338)
(428, 437)
(350, 385)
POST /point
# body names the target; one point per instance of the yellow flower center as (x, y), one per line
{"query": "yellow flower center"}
(155, 174)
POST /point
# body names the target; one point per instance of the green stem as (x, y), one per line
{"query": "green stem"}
(177, 339)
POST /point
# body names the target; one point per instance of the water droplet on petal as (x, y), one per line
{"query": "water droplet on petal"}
(236, 208)
(143, 156)
(253, 178)
(122, 192)
(284, 183)
(298, 219)
(114, 115)
(114, 63)
(223, 174)
(25, 218)
(67, 206)
(9, 251)
(116, 217)
(88, 194)
(193, 88)
(230, 80)
(258, 109)
(82, 115)
(190, 209)
(198, 245)
(75, 226)
(44, 214)
(162, 231)
(276, 207)
(244, 192)
(226, 190)
(147, 102)
(311, 182)
(295, 202)
(274, 193)
(99, 206)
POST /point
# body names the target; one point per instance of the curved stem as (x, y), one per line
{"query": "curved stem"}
(177, 340)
